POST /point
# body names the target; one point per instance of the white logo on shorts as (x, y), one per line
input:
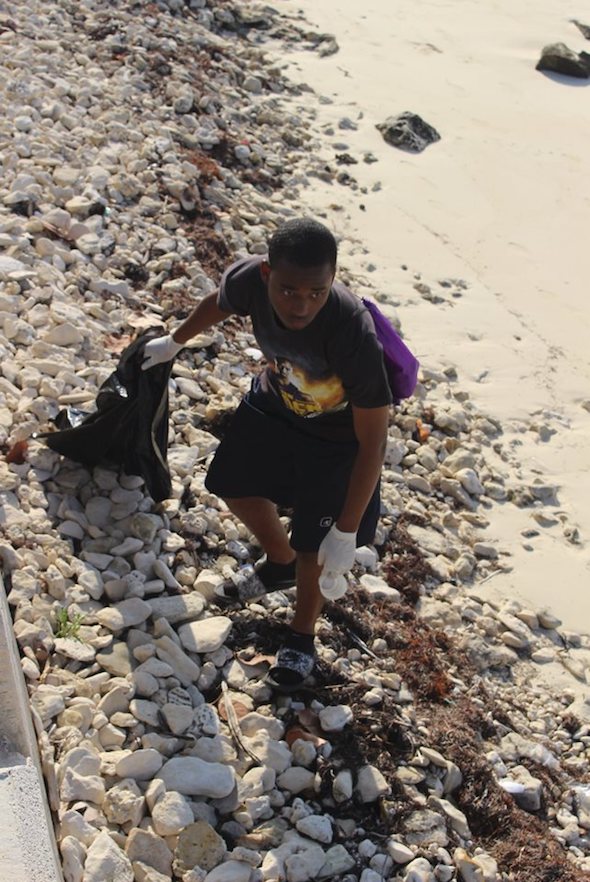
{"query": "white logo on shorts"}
(326, 522)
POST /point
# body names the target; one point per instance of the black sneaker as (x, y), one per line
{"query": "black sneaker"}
(251, 583)
(291, 669)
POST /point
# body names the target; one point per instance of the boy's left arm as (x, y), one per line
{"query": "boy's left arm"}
(336, 552)
(370, 428)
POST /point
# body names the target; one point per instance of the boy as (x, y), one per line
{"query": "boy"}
(311, 433)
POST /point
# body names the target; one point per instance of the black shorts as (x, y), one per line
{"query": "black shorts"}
(262, 455)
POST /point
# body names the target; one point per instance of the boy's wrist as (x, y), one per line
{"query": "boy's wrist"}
(346, 527)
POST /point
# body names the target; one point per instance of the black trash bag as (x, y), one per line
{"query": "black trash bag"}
(129, 428)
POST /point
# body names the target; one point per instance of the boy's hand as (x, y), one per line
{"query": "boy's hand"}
(158, 351)
(336, 553)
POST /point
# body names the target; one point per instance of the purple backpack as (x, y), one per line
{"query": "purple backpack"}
(400, 365)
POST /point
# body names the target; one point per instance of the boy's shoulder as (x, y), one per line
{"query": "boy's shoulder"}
(245, 269)
(347, 307)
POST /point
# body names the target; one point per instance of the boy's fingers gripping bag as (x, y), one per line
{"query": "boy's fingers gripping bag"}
(401, 366)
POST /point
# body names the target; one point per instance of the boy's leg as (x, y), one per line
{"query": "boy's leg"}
(309, 602)
(261, 517)
(252, 472)
(296, 658)
(317, 505)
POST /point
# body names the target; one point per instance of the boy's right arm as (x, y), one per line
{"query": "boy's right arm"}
(162, 349)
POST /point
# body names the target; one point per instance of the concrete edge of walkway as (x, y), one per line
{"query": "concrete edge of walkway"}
(28, 849)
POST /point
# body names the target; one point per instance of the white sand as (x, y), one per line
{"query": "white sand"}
(503, 202)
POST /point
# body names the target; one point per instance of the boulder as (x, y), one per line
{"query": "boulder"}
(558, 58)
(408, 131)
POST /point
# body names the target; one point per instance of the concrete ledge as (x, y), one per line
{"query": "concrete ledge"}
(28, 851)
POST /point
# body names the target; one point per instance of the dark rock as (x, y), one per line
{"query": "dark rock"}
(329, 46)
(584, 29)
(255, 19)
(559, 59)
(408, 131)
(345, 159)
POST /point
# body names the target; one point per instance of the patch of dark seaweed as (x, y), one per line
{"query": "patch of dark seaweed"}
(516, 839)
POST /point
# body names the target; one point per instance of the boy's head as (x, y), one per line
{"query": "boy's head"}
(303, 242)
(299, 271)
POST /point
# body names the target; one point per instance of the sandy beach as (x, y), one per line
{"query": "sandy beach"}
(501, 202)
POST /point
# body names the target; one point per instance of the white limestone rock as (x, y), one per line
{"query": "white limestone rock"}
(205, 635)
(378, 588)
(126, 614)
(180, 608)
(480, 867)
(335, 717)
(65, 334)
(192, 776)
(455, 816)
(253, 722)
(200, 846)
(342, 787)
(296, 779)
(178, 718)
(256, 781)
(275, 754)
(184, 667)
(400, 853)
(140, 765)
(230, 871)
(146, 847)
(371, 784)
(171, 814)
(318, 827)
(305, 864)
(105, 860)
(337, 862)
(73, 854)
(75, 649)
(124, 803)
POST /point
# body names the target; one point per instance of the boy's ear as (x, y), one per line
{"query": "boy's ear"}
(265, 270)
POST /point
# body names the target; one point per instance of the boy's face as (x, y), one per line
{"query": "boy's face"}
(297, 293)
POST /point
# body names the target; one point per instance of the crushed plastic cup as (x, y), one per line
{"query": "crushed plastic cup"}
(333, 585)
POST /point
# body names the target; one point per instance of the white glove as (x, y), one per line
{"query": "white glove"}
(158, 351)
(336, 553)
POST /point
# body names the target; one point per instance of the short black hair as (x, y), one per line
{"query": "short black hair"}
(303, 242)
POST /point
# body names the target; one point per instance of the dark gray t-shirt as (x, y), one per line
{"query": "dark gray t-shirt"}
(311, 375)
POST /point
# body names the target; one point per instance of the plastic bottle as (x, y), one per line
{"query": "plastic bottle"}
(333, 585)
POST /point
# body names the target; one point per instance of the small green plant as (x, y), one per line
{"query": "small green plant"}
(66, 627)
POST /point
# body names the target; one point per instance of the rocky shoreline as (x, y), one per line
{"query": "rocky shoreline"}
(143, 148)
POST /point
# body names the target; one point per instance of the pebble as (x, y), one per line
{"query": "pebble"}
(335, 718)
(342, 787)
(105, 860)
(183, 667)
(178, 718)
(124, 803)
(297, 779)
(177, 609)
(205, 635)
(171, 814)
(377, 588)
(399, 852)
(140, 765)
(230, 871)
(192, 776)
(318, 827)
(371, 784)
(126, 614)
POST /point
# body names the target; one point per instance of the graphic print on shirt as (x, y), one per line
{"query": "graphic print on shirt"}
(300, 393)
